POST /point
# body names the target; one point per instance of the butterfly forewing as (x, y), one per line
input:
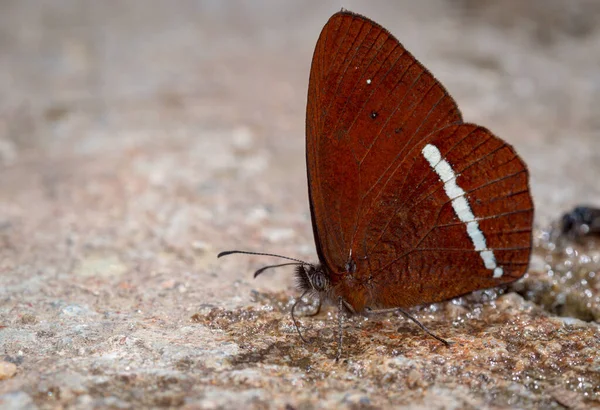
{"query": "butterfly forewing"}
(398, 184)
(369, 99)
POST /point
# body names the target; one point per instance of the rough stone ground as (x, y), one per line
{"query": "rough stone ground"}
(139, 138)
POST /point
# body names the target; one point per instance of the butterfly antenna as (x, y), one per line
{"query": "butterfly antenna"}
(300, 262)
(264, 268)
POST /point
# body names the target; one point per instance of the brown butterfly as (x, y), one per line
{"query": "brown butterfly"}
(409, 204)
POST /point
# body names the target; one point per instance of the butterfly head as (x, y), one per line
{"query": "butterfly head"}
(312, 278)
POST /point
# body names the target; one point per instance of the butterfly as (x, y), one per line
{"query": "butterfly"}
(409, 204)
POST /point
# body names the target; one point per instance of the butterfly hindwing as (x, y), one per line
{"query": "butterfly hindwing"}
(462, 220)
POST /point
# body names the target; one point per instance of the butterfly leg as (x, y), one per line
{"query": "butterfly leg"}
(340, 330)
(409, 316)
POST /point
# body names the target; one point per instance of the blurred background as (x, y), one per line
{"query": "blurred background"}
(148, 135)
(140, 137)
(159, 133)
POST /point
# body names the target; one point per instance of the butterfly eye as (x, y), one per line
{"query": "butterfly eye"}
(319, 281)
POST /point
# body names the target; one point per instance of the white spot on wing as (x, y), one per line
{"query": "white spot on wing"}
(488, 259)
(476, 235)
(461, 206)
(462, 209)
(446, 174)
(432, 154)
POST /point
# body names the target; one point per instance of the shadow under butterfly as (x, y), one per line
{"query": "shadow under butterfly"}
(409, 204)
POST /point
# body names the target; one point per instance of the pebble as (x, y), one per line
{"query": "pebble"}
(414, 379)
(7, 370)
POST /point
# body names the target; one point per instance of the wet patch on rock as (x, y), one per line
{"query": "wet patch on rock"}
(506, 350)
(564, 277)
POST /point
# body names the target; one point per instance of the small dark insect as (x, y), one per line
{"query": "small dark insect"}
(580, 222)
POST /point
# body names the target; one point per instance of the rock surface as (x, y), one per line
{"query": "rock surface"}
(139, 138)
